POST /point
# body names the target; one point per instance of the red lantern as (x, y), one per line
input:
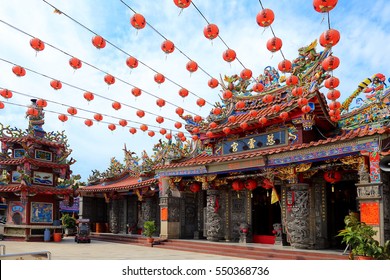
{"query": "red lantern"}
(98, 42)
(229, 55)
(232, 119)
(123, 123)
(267, 184)
(240, 105)
(334, 105)
(6, 93)
(180, 134)
(192, 66)
(209, 134)
(330, 63)
(217, 111)
(163, 131)
(138, 21)
(200, 102)
(213, 125)
(244, 126)
(297, 91)
(19, 71)
(88, 96)
(195, 130)
(302, 101)
(133, 130)
(334, 113)
(179, 111)
(283, 115)
(56, 84)
(72, 111)
(238, 185)
(268, 98)
(109, 79)
(136, 92)
(195, 137)
(63, 117)
(265, 17)
(160, 102)
(111, 126)
(167, 46)
(332, 176)
(329, 38)
(143, 127)
(253, 113)
(306, 109)
(159, 78)
(41, 103)
(195, 187)
(34, 112)
(211, 31)
(75, 63)
(263, 120)
(116, 105)
(182, 3)
(226, 130)
(151, 133)
(178, 125)
(140, 113)
(285, 66)
(132, 62)
(227, 94)
(197, 118)
(88, 122)
(275, 108)
(213, 83)
(324, 6)
(292, 80)
(37, 44)
(250, 184)
(258, 87)
(274, 44)
(98, 117)
(246, 74)
(333, 94)
(168, 136)
(183, 92)
(159, 119)
(1, 105)
(332, 83)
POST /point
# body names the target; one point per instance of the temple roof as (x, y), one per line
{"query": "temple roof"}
(31, 138)
(128, 183)
(35, 189)
(19, 161)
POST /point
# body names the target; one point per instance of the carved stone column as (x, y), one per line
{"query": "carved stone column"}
(213, 220)
(114, 215)
(170, 211)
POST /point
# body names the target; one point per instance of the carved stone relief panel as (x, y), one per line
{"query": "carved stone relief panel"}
(213, 219)
(238, 215)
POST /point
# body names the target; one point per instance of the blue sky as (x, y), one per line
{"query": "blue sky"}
(363, 51)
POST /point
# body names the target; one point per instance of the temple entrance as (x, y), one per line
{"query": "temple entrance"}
(341, 199)
(265, 216)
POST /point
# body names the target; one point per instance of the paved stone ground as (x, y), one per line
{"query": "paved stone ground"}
(67, 249)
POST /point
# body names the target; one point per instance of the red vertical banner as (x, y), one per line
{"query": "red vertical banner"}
(375, 176)
(369, 213)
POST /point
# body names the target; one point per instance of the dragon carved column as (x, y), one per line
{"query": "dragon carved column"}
(214, 221)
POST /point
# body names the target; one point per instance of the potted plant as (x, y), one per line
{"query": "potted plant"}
(149, 229)
(69, 224)
(360, 237)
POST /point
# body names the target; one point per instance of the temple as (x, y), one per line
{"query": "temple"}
(272, 164)
(35, 175)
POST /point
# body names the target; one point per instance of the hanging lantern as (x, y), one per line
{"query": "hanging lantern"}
(335, 118)
(41, 103)
(63, 117)
(240, 105)
(334, 105)
(226, 130)
(182, 3)
(306, 109)
(168, 46)
(180, 134)
(138, 21)
(72, 111)
(213, 83)
(111, 126)
(195, 187)
(195, 130)
(238, 185)
(330, 63)
(213, 125)
(268, 98)
(329, 38)
(195, 137)
(136, 91)
(88, 122)
(34, 112)
(263, 120)
(88, 96)
(285, 66)
(332, 83)
(160, 102)
(200, 102)
(244, 125)
(227, 94)
(275, 108)
(192, 66)
(274, 44)
(197, 119)
(56, 84)
(98, 117)
(6, 93)
(324, 6)
(168, 136)
(1, 105)
(334, 113)
(292, 80)
(151, 133)
(253, 113)
(217, 111)
(332, 176)
(265, 17)
(163, 131)
(211, 31)
(229, 55)
(179, 111)
(302, 101)
(98, 42)
(140, 113)
(75, 63)
(250, 184)
(19, 71)
(183, 92)
(246, 74)
(109, 79)
(116, 105)
(159, 78)
(232, 119)
(132, 62)
(159, 119)
(333, 94)
(297, 91)
(178, 125)
(143, 127)
(133, 130)
(283, 115)
(258, 87)
(209, 134)
(37, 44)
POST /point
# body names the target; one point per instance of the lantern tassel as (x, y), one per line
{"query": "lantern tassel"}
(332, 188)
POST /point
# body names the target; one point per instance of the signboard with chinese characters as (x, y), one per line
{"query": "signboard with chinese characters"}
(256, 142)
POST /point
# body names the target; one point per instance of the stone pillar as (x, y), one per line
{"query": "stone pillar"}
(169, 211)
(297, 215)
(200, 219)
(318, 214)
(213, 220)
